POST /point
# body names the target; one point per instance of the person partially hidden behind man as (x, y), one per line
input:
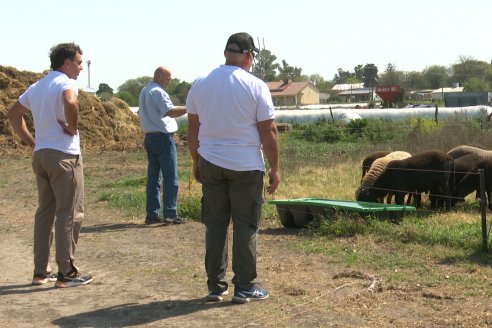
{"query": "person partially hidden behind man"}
(157, 119)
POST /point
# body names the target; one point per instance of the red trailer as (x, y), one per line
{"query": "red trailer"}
(388, 93)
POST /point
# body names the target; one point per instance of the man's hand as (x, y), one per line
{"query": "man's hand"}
(65, 128)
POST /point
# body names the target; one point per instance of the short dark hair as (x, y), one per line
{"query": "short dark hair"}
(63, 51)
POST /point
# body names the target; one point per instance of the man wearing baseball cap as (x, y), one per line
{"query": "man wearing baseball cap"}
(231, 127)
(243, 42)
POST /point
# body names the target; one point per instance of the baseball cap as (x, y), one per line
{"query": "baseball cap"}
(244, 41)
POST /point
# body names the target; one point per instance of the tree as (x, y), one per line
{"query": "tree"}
(392, 76)
(178, 91)
(414, 81)
(370, 75)
(316, 79)
(104, 88)
(359, 72)
(475, 84)
(342, 76)
(287, 72)
(265, 67)
(129, 98)
(467, 68)
(134, 86)
(435, 77)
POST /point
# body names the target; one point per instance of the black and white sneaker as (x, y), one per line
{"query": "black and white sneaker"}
(216, 296)
(43, 278)
(72, 280)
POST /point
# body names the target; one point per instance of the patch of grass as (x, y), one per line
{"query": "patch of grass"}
(127, 182)
(190, 207)
(131, 202)
(461, 235)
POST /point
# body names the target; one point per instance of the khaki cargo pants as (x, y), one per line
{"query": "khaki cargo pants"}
(60, 181)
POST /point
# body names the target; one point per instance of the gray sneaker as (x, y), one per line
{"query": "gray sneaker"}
(175, 220)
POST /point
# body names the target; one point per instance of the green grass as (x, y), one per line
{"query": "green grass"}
(443, 248)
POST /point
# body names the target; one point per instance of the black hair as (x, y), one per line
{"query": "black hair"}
(63, 51)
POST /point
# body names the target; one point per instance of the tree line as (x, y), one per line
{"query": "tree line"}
(474, 75)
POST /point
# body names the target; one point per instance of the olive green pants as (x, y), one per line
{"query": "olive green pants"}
(230, 195)
(60, 181)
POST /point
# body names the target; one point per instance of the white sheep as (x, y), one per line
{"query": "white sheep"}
(378, 167)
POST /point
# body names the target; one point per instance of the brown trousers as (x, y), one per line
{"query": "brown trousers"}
(60, 181)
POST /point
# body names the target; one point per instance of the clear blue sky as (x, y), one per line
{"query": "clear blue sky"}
(128, 39)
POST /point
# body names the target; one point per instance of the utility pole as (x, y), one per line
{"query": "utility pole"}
(89, 71)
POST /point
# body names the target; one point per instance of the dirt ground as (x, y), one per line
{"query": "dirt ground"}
(154, 275)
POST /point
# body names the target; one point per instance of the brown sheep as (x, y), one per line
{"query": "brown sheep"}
(471, 181)
(428, 170)
(378, 167)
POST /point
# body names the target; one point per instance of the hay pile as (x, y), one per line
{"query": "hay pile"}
(103, 125)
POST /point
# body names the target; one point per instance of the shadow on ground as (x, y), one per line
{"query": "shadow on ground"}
(133, 314)
(24, 289)
(114, 227)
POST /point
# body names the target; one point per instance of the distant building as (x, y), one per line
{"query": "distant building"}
(353, 92)
(324, 97)
(356, 95)
(288, 93)
(420, 95)
(464, 99)
(346, 86)
(441, 93)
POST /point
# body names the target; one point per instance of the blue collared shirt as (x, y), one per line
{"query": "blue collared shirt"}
(154, 104)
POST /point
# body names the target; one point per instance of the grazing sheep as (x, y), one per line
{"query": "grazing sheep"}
(471, 181)
(464, 164)
(428, 170)
(463, 150)
(367, 162)
(378, 167)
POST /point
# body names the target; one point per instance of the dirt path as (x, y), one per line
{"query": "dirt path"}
(154, 276)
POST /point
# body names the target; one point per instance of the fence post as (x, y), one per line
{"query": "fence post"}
(332, 118)
(483, 210)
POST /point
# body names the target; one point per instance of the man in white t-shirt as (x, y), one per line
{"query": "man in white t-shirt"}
(231, 125)
(57, 165)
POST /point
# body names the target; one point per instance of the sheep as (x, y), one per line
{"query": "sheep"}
(367, 162)
(464, 164)
(378, 167)
(463, 150)
(471, 181)
(428, 170)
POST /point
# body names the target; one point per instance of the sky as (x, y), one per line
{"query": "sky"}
(128, 39)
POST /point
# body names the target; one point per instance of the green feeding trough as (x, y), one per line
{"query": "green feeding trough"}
(299, 212)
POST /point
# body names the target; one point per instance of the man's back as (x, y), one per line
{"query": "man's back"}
(45, 101)
(230, 102)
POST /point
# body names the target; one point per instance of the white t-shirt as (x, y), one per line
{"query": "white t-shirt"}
(45, 100)
(230, 102)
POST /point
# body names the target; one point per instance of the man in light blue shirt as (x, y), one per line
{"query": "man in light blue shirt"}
(157, 119)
